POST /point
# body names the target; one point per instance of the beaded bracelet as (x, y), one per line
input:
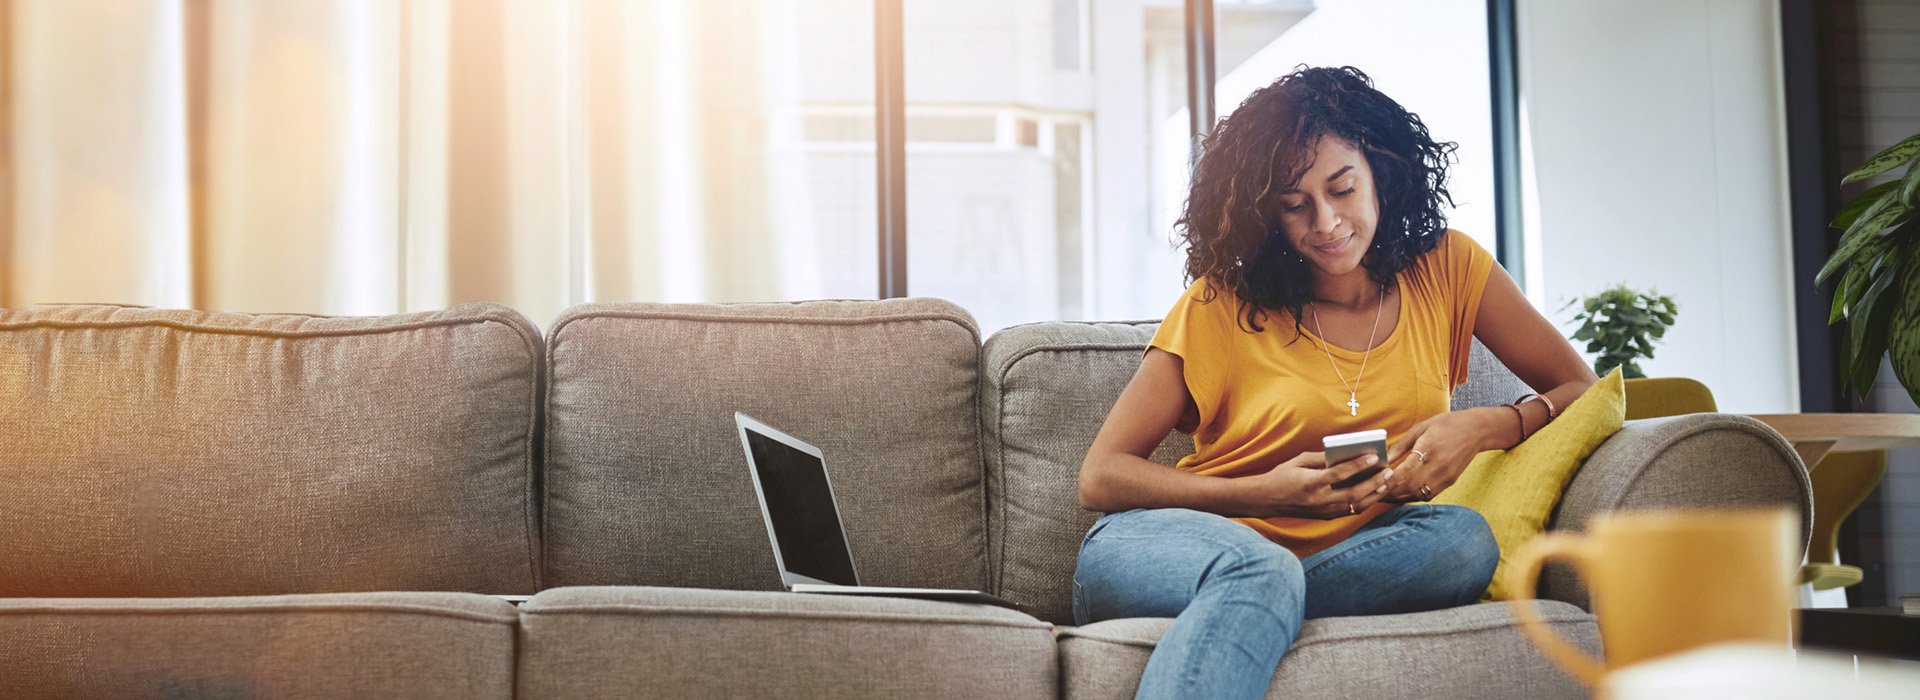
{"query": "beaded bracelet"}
(1523, 423)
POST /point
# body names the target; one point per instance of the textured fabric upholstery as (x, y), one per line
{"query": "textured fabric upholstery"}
(1048, 387)
(184, 453)
(1701, 460)
(645, 479)
(176, 453)
(1489, 383)
(370, 645)
(667, 642)
(1468, 652)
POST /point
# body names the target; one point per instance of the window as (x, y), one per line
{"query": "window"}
(1025, 226)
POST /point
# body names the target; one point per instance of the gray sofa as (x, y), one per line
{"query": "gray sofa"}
(210, 504)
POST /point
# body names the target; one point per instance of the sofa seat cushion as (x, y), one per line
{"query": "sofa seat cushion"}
(1473, 651)
(155, 452)
(680, 642)
(411, 645)
(645, 480)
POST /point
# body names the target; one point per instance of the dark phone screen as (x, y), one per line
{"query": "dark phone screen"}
(1341, 454)
(1361, 476)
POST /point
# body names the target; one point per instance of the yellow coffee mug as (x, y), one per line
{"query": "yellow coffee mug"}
(1667, 581)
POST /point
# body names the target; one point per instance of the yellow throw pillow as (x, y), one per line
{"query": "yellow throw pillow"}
(1515, 490)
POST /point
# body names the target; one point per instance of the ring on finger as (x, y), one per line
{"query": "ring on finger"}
(1350, 510)
(1421, 455)
(1426, 492)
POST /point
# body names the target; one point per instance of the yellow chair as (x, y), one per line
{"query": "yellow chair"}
(1839, 486)
(1656, 397)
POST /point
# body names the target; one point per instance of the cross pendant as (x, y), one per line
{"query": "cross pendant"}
(1353, 404)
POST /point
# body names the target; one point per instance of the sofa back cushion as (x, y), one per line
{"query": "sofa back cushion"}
(184, 453)
(645, 479)
(1489, 383)
(1048, 388)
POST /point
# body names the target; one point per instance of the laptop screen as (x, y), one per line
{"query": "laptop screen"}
(800, 504)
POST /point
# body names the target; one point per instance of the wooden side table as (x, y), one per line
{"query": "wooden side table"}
(1813, 435)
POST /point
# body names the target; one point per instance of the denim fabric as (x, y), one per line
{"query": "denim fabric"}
(1237, 599)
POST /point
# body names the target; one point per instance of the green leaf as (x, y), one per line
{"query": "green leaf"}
(1910, 187)
(1868, 318)
(1585, 333)
(1872, 222)
(1904, 335)
(1839, 307)
(1858, 237)
(1885, 160)
(1870, 346)
(1868, 301)
(1859, 205)
(1858, 276)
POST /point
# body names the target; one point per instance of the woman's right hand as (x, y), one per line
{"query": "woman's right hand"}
(1303, 487)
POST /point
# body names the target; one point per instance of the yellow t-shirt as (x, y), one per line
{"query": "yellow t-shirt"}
(1266, 397)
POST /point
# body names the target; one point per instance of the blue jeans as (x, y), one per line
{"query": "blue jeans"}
(1237, 599)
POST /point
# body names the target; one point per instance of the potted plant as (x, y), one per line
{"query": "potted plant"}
(1879, 291)
(1621, 325)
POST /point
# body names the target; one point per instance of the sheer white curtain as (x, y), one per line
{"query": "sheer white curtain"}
(372, 156)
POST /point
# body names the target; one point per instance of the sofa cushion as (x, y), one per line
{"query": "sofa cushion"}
(672, 642)
(411, 645)
(1489, 383)
(645, 479)
(184, 453)
(1048, 387)
(1473, 651)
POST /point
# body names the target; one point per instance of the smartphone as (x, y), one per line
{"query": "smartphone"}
(1346, 446)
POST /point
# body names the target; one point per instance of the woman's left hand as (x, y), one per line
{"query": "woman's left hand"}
(1431, 456)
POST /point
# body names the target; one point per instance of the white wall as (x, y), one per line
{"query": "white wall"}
(1658, 155)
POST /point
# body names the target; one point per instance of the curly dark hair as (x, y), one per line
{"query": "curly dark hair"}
(1231, 226)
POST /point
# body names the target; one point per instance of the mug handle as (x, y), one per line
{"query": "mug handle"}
(1522, 572)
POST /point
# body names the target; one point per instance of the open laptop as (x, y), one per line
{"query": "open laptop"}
(803, 519)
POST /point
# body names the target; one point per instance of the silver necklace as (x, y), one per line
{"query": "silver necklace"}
(1353, 389)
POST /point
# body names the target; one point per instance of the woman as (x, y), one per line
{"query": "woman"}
(1328, 297)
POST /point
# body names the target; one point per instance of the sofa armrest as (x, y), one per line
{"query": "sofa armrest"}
(1701, 460)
